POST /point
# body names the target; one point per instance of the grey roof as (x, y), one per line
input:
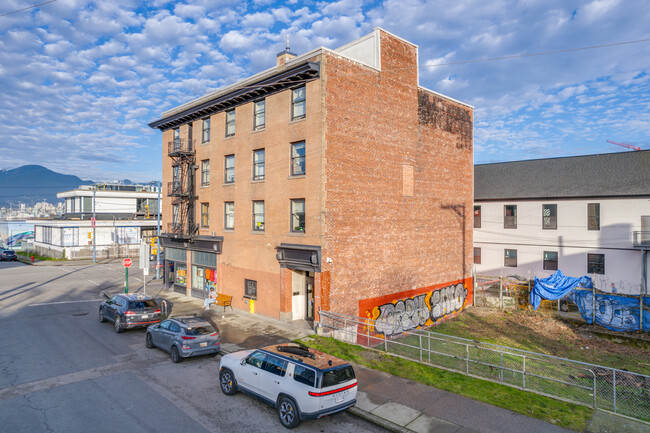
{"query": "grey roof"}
(605, 175)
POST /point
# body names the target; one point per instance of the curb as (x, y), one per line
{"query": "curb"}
(377, 420)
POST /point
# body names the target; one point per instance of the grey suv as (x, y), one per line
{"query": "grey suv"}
(129, 311)
(183, 337)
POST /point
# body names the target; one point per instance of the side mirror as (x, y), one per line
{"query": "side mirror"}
(243, 361)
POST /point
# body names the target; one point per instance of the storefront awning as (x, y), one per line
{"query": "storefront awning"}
(299, 257)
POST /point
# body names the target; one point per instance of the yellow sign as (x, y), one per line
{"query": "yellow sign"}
(251, 306)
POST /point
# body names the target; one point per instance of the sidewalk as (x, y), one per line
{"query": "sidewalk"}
(397, 404)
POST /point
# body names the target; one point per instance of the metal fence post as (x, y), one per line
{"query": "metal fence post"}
(501, 292)
(640, 311)
(594, 389)
(420, 347)
(368, 333)
(429, 346)
(385, 343)
(345, 328)
(593, 305)
(467, 358)
(524, 373)
(614, 389)
(501, 369)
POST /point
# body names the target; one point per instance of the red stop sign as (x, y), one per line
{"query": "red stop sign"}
(127, 262)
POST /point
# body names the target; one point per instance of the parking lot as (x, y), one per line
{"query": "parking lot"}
(63, 371)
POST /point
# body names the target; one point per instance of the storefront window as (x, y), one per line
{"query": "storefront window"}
(181, 275)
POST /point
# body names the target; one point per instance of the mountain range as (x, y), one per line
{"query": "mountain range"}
(31, 184)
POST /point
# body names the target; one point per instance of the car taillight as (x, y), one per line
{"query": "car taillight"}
(129, 313)
(334, 391)
(214, 335)
(187, 338)
(157, 311)
(184, 346)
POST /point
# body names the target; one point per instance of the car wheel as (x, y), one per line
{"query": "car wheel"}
(288, 412)
(102, 319)
(118, 324)
(176, 356)
(149, 341)
(228, 382)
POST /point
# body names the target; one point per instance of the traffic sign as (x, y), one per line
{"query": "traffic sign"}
(127, 262)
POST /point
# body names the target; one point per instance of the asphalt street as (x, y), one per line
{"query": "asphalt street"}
(63, 371)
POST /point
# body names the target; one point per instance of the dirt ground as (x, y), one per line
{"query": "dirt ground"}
(543, 333)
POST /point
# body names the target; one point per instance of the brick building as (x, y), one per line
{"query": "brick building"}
(332, 180)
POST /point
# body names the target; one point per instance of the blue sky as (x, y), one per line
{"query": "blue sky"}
(80, 79)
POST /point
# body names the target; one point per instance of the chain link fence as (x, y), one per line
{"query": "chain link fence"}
(604, 388)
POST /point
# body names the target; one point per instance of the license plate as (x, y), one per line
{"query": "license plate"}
(204, 344)
(338, 398)
(145, 316)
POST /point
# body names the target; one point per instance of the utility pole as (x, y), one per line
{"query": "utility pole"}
(94, 237)
(158, 237)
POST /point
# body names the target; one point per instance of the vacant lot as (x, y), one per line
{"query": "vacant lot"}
(542, 333)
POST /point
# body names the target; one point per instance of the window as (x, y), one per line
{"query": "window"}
(177, 138)
(206, 130)
(593, 216)
(510, 216)
(230, 123)
(304, 375)
(229, 169)
(258, 164)
(298, 158)
(549, 216)
(275, 365)
(256, 359)
(258, 215)
(298, 215)
(477, 256)
(550, 260)
(229, 215)
(205, 172)
(176, 177)
(477, 217)
(250, 289)
(259, 116)
(175, 214)
(510, 258)
(87, 204)
(595, 263)
(298, 103)
(205, 215)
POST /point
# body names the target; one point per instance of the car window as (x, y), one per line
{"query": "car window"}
(165, 324)
(174, 327)
(275, 365)
(142, 304)
(199, 330)
(256, 359)
(113, 300)
(336, 376)
(304, 375)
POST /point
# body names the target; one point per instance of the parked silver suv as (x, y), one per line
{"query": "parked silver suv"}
(301, 383)
(183, 337)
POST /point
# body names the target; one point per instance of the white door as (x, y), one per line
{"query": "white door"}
(299, 298)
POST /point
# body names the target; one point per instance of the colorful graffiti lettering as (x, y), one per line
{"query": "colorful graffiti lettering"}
(420, 310)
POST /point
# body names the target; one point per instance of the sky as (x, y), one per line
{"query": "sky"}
(80, 80)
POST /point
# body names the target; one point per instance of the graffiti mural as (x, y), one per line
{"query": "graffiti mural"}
(617, 313)
(394, 314)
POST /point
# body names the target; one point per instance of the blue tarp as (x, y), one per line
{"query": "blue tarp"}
(557, 286)
(617, 313)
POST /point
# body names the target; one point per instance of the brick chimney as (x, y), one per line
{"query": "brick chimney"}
(285, 56)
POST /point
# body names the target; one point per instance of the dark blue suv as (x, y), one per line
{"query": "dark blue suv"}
(129, 311)
(8, 255)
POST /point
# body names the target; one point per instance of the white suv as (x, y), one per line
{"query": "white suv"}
(300, 382)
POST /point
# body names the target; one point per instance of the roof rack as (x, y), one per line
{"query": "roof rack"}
(297, 349)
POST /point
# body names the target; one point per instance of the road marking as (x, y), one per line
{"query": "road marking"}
(97, 284)
(64, 302)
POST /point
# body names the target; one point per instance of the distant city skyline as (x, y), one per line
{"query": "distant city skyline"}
(80, 79)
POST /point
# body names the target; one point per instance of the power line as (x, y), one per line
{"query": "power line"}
(27, 8)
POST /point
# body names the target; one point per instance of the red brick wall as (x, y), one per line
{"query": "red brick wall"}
(380, 240)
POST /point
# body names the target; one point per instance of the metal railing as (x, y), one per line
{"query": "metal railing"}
(604, 388)
(641, 239)
(180, 145)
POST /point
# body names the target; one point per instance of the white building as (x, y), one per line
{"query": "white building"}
(585, 215)
(124, 214)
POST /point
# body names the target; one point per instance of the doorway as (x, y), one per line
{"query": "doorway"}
(302, 299)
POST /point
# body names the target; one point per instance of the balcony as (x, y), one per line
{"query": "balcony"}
(181, 230)
(641, 240)
(180, 146)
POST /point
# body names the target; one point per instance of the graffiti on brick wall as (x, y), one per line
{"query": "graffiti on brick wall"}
(422, 309)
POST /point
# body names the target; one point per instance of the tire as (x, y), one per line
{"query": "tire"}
(102, 319)
(175, 355)
(118, 324)
(149, 341)
(288, 412)
(228, 382)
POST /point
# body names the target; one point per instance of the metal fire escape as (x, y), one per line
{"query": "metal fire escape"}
(181, 188)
